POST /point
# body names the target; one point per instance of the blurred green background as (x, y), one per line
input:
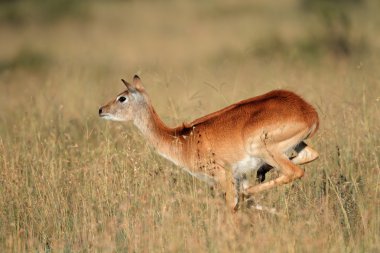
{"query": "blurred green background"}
(184, 31)
(70, 182)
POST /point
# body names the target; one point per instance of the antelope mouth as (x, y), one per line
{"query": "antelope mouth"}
(106, 116)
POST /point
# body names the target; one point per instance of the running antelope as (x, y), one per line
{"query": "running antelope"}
(223, 147)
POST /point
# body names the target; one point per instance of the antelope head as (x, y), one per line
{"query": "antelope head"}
(125, 106)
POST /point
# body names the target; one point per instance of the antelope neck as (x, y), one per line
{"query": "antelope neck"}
(160, 136)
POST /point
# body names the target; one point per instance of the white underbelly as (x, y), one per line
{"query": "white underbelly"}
(247, 165)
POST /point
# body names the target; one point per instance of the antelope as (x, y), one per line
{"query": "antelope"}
(221, 148)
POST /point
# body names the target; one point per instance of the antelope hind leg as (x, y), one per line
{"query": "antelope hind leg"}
(288, 169)
(305, 154)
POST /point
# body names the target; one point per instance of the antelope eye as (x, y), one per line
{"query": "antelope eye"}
(122, 99)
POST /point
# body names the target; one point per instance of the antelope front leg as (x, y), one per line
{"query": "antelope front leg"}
(227, 184)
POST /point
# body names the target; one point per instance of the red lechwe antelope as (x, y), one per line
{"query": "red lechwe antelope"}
(222, 147)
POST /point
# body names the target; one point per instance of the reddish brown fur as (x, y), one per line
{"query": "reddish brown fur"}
(222, 127)
(262, 128)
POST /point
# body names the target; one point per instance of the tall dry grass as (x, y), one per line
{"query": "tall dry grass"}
(70, 182)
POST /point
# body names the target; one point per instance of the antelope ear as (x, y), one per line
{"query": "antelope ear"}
(128, 85)
(137, 83)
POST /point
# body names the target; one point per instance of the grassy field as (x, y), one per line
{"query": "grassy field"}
(70, 182)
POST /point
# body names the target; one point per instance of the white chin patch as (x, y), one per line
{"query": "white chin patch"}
(110, 117)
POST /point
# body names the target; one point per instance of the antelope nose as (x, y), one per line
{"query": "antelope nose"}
(100, 110)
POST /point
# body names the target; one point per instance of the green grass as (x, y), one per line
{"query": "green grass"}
(70, 182)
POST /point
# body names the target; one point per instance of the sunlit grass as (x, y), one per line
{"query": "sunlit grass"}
(70, 182)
